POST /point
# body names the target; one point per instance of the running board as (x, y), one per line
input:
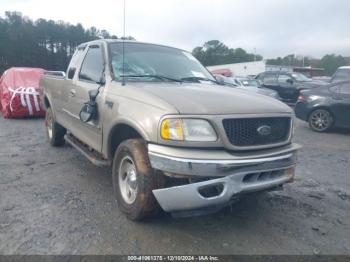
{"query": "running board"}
(92, 156)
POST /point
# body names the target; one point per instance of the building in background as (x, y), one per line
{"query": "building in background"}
(257, 67)
(306, 70)
(239, 69)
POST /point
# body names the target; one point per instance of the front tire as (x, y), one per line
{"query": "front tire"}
(134, 179)
(54, 131)
(321, 120)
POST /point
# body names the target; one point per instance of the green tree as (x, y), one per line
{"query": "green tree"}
(215, 52)
(290, 60)
(330, 63)
(42, 43)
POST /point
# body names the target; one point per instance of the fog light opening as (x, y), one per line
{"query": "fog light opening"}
(250, 178)
(211, 191)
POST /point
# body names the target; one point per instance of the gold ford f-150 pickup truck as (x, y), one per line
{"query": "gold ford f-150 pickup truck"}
(176, 139)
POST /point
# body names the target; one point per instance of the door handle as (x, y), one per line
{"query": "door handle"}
(72, 92)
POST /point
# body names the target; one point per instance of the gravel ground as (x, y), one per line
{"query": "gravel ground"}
(53, 201)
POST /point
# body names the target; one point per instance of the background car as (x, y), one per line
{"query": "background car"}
(247, 81)
(248, 84)
(342, 74)
(287, 84)
(325, 107)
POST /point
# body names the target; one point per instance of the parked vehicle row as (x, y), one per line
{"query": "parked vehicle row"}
(248, 84)
(288, 85)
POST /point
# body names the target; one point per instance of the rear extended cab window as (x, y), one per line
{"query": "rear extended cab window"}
(75, 61)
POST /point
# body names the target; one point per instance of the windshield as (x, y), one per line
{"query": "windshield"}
(300, 77)
(147, 62)
(250, 82)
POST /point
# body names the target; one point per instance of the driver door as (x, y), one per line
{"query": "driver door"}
(90, 73)
(287, 87)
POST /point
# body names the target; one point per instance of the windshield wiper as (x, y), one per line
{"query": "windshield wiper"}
(197, 79)
(156, 76)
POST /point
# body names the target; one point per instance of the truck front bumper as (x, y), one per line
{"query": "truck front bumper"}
(228, 173)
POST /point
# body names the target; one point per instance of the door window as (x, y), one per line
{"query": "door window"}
(284, 79)
(260, 77)
(92, 67)
(270, 79)
(345, 89)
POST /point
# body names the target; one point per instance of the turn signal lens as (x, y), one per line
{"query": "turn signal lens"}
(171, 129)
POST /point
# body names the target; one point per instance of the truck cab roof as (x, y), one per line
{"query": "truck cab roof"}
(109, 41)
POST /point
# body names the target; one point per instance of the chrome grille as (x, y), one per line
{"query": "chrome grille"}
(243, 132)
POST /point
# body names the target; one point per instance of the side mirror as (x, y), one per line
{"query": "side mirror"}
(290, 81)
(89, 110)
(220, 79)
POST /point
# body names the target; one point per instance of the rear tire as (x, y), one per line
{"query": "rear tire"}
(54, 131)
(321, 120)
(134, 179)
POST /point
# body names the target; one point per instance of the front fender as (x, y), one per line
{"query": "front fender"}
(121, 121)
(47, 96)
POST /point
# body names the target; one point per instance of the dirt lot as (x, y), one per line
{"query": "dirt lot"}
(53, 201)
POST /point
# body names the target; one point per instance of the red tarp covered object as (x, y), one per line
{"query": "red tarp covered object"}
(19, 92)
(225, 72)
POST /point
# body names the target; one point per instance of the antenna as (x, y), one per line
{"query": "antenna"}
(123, 65)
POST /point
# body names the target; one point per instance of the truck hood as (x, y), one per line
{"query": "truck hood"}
(260, 90)
(193, 98)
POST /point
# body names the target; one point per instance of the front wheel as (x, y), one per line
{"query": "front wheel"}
(134, 179)
(321, 120)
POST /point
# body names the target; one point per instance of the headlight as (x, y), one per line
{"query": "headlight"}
(187, 130)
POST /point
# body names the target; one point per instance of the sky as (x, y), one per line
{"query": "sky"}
(271, 27)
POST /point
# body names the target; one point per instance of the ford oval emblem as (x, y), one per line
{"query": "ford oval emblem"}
(264, 130)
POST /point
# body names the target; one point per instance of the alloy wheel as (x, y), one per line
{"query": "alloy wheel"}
(320, 120)
(128, 180)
